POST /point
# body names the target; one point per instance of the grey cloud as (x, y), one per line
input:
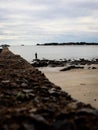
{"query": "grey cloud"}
(73, 10)
(48, 20)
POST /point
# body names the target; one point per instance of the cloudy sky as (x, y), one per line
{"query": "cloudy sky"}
(41, 21)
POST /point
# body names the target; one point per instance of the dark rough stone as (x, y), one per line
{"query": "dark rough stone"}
(63, 125)
(28, 101)
(71, 67)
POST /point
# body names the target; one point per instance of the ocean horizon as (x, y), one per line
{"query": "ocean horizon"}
(56, 52)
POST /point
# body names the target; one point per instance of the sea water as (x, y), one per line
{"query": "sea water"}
(56, 52)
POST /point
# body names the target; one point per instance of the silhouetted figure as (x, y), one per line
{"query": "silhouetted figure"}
(1, 49)
(36, 55)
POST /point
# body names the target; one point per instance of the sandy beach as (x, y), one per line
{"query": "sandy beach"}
(81, 84)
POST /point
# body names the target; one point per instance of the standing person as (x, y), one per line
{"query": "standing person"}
(36, 55)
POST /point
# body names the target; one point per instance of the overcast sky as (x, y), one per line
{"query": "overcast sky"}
(41, 21)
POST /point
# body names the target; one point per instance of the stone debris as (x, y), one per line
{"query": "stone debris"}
(71, 67)
(29, 101)
(68, 64)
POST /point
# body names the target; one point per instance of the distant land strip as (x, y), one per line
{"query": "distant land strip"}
(68, 43)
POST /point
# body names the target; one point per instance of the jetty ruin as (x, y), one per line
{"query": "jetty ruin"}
(29, 101)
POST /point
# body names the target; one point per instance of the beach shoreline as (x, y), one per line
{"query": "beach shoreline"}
(81, 84)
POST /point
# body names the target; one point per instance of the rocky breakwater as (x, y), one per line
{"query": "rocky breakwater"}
(29, 101)
(67, 64)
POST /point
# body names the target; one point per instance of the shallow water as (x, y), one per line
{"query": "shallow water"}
(56, 52)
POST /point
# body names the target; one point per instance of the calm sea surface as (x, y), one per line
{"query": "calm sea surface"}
(56, 52)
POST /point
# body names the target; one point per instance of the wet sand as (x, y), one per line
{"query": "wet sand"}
(82, 84)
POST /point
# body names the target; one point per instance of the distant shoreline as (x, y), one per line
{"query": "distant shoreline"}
(69, 43)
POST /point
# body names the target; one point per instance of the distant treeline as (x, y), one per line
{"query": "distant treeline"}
(68, 43)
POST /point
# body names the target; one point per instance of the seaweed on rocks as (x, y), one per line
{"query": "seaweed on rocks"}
(78, 64)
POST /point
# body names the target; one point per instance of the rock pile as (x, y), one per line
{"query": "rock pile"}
(72, 67)
(68, 64)
(29, 101)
